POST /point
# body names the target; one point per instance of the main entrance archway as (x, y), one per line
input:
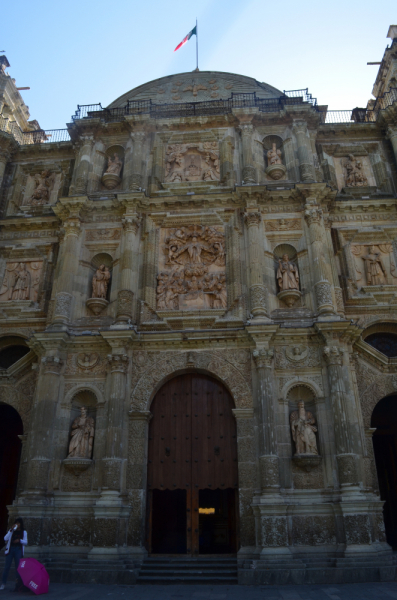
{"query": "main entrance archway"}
(192, 468)
(10, 452)
(384, 418)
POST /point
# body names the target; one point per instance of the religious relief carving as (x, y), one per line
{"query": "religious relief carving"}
(288, 281)
(374, 264)
(303, 431)
(111, 178)
(44, 183)
(195, 278)
(283, 225)
(21, 281)
(354, 176)
(294, 355)
(82, 436)
(192, 162)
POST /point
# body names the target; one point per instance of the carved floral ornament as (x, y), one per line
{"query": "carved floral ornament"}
(192, 276)
(192, 162)
(374, 264)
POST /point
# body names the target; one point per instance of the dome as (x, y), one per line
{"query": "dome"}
(196, 86)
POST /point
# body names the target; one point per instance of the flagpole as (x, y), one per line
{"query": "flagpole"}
(196, 45)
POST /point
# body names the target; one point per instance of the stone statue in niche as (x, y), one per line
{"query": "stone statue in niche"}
(100, 282)
(274, 156)
(354, 172)
(192, 162)
(195, 257)
(44, 183)
(82, 436)
(303, 431)
(111, 178)
(287, 274)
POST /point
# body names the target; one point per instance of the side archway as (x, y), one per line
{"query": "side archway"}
(10, 453)
(384, 421)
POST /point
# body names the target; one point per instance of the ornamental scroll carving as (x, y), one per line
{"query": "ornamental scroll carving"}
(191, 262)
(21, 281)
(374, 264)
(192, 162)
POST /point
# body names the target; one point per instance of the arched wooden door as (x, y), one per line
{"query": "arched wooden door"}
(10, 452)
(192, 469)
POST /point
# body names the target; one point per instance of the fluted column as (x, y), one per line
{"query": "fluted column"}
(112, 462)
(129, 267)
(306, 167)
(257, 289)
(249, 171)
(226, 148)
(269, 467)
(345, 456)
(79, 186)
(318, 239)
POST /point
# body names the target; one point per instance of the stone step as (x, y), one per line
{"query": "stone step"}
(187, 579)
(173, 572)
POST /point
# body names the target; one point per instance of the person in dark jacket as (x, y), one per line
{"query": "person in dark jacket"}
(16, 539)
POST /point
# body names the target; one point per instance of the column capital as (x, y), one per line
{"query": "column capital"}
(299, 126)
(252, 218)
(118, 363)
(138, 136)
(131, 223)
(263, 358)
(52, 364)
(313, 213)
(333, 355)
(246, 128)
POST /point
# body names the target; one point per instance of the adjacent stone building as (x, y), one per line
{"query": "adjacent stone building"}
(198, 329)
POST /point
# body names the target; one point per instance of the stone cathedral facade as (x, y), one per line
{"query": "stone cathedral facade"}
(205, 236)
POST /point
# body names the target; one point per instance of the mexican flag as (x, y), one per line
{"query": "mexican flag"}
(187, 38)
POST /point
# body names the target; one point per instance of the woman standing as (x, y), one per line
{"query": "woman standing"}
(16, 539)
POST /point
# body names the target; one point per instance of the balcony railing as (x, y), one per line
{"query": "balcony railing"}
(40, 136)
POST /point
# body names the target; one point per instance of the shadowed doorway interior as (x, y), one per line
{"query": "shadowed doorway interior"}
(384, 418)
(10, 452)
(192, 469)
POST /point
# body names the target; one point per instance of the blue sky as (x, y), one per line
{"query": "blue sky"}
(83, 52)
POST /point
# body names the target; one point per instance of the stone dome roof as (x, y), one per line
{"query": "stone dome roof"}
(196, 86)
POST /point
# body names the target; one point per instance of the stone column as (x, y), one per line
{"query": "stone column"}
(345, 456)
(318, 240)
(234, 267)
(8, 146)
(137, 477)
(129, 267)
(269, 467)
(392, 135)
(306, 167)
(135, 180)
(249, 171)
(98, 167)
(157, 176)
(42, 427)
(256, 265)
(67, 269)
(83, 163)
(247, 475)
(111, 474)
(226, 149)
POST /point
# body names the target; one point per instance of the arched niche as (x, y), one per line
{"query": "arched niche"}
(12, 349)
(87, 399)
(100, 282)
(274, 157)
(287, 274)
(303, 393)
(113, 167)
(382, 337)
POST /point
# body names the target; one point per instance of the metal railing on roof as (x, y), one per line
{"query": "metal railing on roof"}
(40, 136)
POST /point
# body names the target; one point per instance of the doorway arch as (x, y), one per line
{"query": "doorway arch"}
(192, 468)
(384, 418)
(10, 453)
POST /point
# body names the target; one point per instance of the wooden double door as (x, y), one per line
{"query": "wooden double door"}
(192, 468)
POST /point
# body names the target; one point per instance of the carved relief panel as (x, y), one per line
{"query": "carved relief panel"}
(192, 162)
(191, 269)
(374, 264)
(21, 281)
(42, 188)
